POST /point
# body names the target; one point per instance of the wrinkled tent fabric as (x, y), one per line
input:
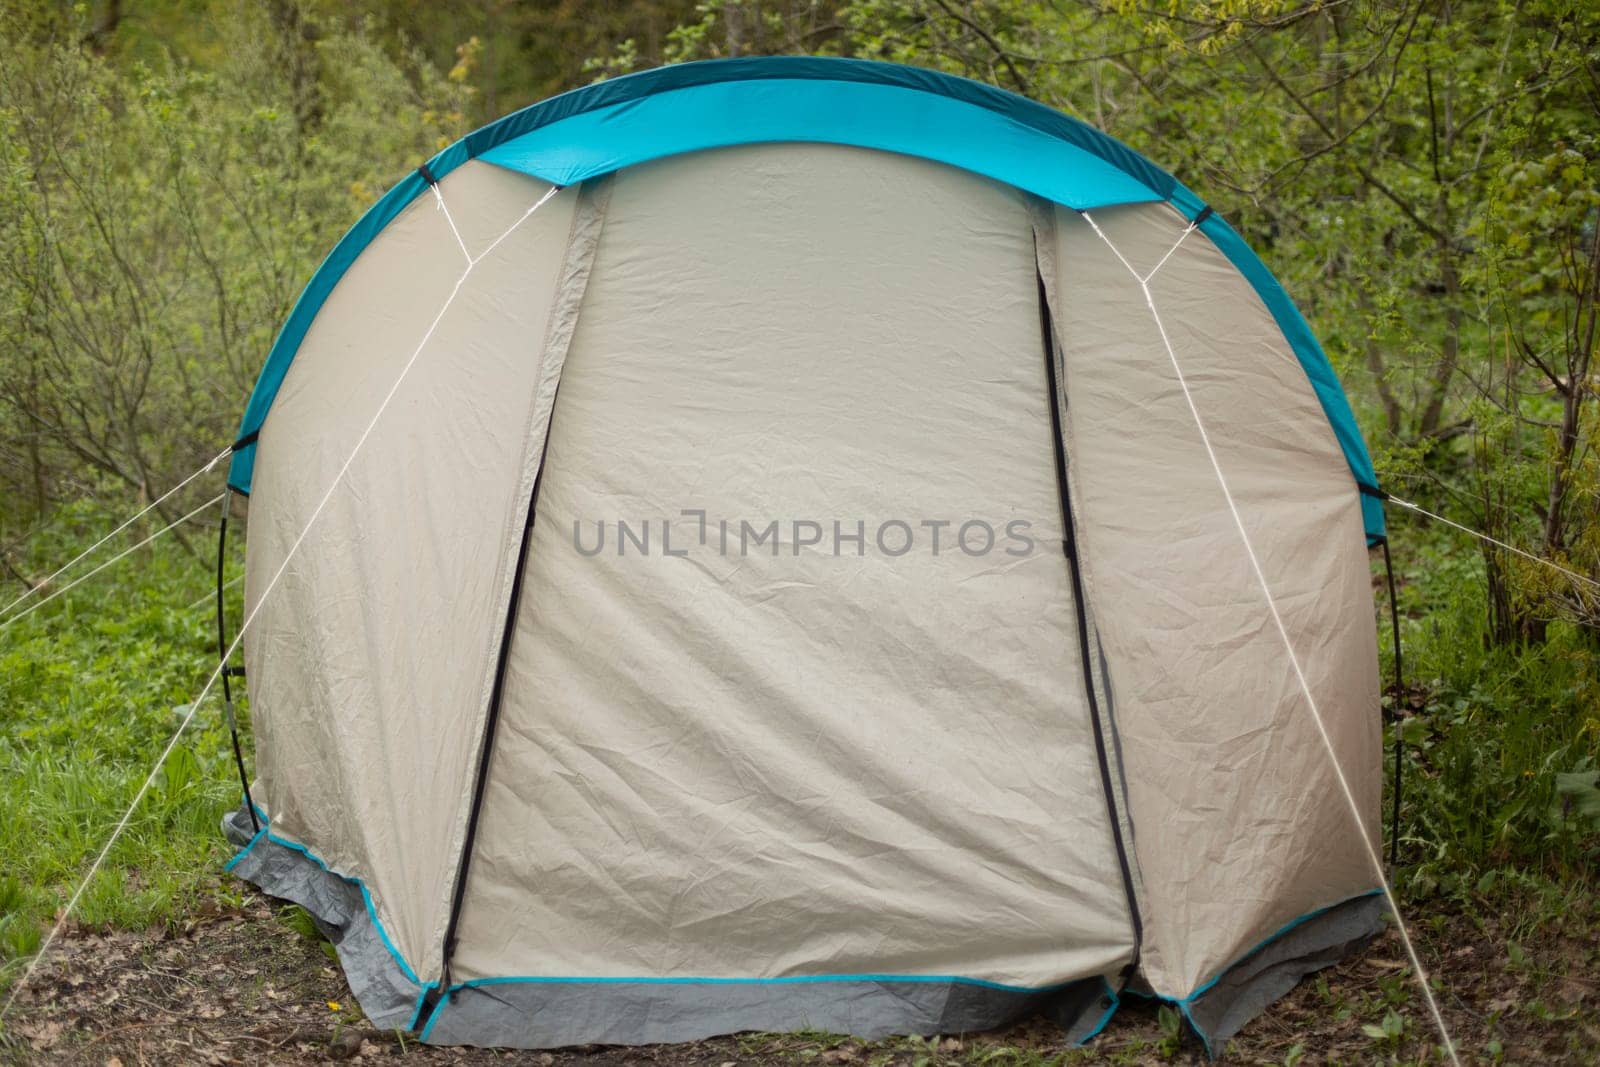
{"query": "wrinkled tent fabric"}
(541, 795)
(980, 128)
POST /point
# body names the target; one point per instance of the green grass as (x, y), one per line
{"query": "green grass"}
(92, 687)
(1497, 744)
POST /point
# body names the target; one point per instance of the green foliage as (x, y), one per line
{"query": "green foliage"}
(160, 218)
(1171, 1024)
(91, 689)
(1579, 794)
(300, 921)
(1425, 180)
(1389, 1031)
(1498, 740)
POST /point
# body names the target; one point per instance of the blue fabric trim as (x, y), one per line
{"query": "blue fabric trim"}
(249, 845)
(799, 979)
(1105, 1020)
(366, 895)
(433, 1017)
(897, 108)
(634, 87)
(1269, 939)
(1183, 1005)
(887, 118)
(305, 310)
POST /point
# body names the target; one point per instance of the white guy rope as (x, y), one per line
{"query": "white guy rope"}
(1187, 230)
(31, 608)
(1420, 510)
(145, 511)
(1288, 644)
(473, 261)
(122, 824)
(438, 199)
(272, 584)
(211, 596)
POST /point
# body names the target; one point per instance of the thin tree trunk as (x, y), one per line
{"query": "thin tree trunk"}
(1575, 390)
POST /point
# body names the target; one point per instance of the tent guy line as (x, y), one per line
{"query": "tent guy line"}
(266, 592)
(31, 608)
(1420, 510)
(439, 199)
(211, 596)
(1187, 230)
(1418, 970)
(157, 502)
(122, 824)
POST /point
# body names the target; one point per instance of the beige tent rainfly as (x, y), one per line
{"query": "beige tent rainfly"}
(771, 544)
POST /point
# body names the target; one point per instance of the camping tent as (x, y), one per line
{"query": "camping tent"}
(793, 543)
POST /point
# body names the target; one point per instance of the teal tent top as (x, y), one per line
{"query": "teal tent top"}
(693, 106)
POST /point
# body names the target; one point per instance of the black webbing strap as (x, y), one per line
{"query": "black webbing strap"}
(227, 671)
(1399, 724)
(427, 175)
(246, 441)
(1205, 213)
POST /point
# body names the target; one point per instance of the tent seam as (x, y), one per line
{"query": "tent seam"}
(1183, 1003)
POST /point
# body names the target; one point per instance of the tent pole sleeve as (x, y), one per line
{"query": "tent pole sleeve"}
(1399, 726)
(1069, 545)
(222, 657)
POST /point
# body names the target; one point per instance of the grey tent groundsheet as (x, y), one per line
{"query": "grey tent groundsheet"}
(1221, 1008)
(383, 984)
(545, 1014)
(530, 1013)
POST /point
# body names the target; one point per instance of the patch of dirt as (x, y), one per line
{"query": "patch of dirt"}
(240, 987)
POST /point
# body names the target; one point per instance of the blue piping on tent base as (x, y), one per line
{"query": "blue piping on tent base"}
(422, 1001)
(1182, 1004)
(1104, 1020)
(426, 987)
(366, 896)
